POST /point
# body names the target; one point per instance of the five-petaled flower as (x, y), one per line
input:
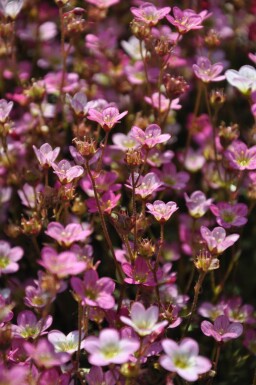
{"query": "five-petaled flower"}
(107, 118)
(208, 72)
(222, 329)
(216, 240)
(150, 137)
(162, 211)
(149, 14)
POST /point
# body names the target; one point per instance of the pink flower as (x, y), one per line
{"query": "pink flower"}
(63, 343)
(107, 118)
(29, 327)
(237, 312)
(9, 257)
(162, 211)
(13, 376)
(104, 181)
(53, 377)
(146, 185)
(197, 204)
(150, 137)
(78, 103)
(107, 202)
(240, 157)
(94, 291)
(61, 265)
(186, 20)
(144, 321)
(139, 274)
(66, 172)
(108, 348)
(102, 3)
(183, 359)
(46, 155)
(162, 103)
(208, 72)
(172, 178)
(149, 14)
(65, 236)
(222, 329)
(96, 376)
(43, 354)
(29, 194)
(229, 215)
(5, 109)
(216, 240)
(124, 142)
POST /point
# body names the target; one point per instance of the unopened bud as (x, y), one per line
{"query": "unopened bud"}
(133, 158)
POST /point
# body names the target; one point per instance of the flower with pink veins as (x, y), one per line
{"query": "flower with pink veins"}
(222, 329)
(144, 321)
(109, 348)
(183, 359)
(107, 202)
(240, 157)
(216, 240)
(63, 343)
(208, 72)
(146, 185)
(46, 155)
(43, 354)
(66, 236)
(66, 172)
(94, 291)
(161, 103)
(5, 110)
(29, 327)
(150, 137)
(197, 204)
(162, 211)
(230, 214)
(107, 118)
(187, 19)
(149, 14)
(9, 258)
(63, 264)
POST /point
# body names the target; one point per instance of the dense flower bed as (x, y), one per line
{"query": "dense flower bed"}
(127, 192)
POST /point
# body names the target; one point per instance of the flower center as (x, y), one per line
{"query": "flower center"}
(110, 351)
(4, 261)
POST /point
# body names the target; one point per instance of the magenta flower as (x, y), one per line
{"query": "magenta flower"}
(107, 118)
(172, 178)
(162, 211)
(183, 359)
(13, 376)
(66, 172)
(162, 103)
(222, 330)
(208, 310)
(43, 354)
(150, 137)
(186, 20)
(65, 236)
(29, 327)
(61, 265)
(9, 257)
(144, 321)
(94, 291)
(63, 343)
(237, 312)
(240, 157)
(229, 214)
(46, 155)
(107, 202)
(139, 274)
(29, 194)
(146, 185)
(149, 14)
(244, 79)
(53, 377)
(105, 181)
(5, 109)
(108, 348)
(96, 376)
(102, 3)
(197, 204)
(208, 72)
(216, 240)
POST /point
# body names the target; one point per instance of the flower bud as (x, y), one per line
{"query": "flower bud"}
(140, 30)
(129, 370)
(228, 134)
(31, 226)
(212, 39)
(86, 147)
(133, 158)
(146, 248)
(205, 262)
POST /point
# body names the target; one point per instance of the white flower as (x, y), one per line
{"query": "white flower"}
(244, 79)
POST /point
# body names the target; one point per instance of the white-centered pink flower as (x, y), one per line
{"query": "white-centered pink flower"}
(144, 321)
(63, 343)
(150, 137)
(216, 240)
(162, 211)
(109, 348)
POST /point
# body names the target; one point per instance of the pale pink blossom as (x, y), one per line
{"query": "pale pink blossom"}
(162, 211)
